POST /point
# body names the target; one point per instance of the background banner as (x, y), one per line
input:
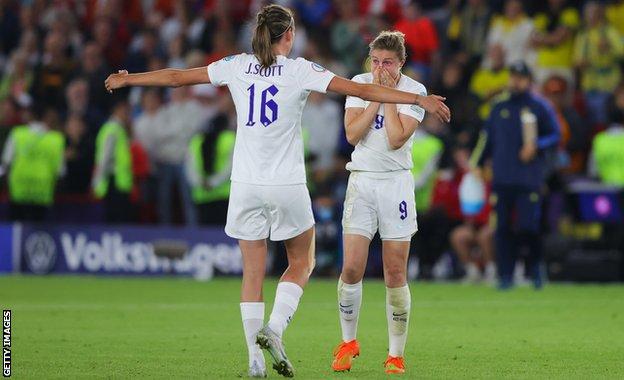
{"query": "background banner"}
(120, 250)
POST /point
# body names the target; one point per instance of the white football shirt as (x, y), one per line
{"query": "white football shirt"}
(269, 103)
(373, 153)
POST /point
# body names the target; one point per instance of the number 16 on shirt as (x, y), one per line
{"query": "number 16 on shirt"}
(267, 104)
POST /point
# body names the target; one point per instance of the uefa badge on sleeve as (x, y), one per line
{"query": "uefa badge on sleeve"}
(318, 68)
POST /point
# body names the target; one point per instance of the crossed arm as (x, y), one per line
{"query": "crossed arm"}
(398, 127)
(372, 92)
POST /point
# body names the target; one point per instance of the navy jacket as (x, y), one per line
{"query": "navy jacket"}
(504, 140)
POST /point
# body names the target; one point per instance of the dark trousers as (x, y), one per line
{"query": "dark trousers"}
(517, 225)
(117, 207)
(25, 212)
(431, 241)
(212, 213)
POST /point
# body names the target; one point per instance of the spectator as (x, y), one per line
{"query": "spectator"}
(314, 14)
(208, 169)
(597, 53)
(78, 104)
(322, 119)
(29, 44)
(464, 240)
(112, 177)
(465, 123)
(78, 156)
(553, 39)
(518, 129)
(9, 29)
(615, 15)
(469, 28)
(145, 47)
(512, 30)
(346, 39)
(438, 214)
(489, 81)
(223, 46)
(318, 51)
(183, 117)
(607, 156)
(53, 73)
(421, 38)
(150, 119)
(174, 26)
(33, 158)
(94, 69)
(472, 240)
(17, 78)
(104, 36)
(176, 50)
(11, 113)
(574, 130)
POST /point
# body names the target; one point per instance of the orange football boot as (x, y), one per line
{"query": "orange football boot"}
(394, 365)
(344, 354)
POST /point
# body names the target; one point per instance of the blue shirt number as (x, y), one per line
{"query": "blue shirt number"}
(268, 107)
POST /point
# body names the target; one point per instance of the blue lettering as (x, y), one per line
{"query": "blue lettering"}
(257, 69)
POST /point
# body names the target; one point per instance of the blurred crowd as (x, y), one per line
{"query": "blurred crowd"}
(177, 143)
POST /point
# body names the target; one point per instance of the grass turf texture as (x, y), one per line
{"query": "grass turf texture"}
(74, 327)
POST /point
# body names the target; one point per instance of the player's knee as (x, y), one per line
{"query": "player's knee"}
(302, 264)
(395, 276)
(351, 275)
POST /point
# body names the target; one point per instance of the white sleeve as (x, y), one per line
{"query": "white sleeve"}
(413, 110)
(312, 76)
(354, 101)
(220, 72)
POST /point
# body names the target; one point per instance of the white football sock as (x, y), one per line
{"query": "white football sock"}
(398, 302)
(286, 301)
(349, 302)
(252, 314)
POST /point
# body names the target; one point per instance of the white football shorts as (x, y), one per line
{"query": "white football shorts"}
(257, 212)
(380, 201)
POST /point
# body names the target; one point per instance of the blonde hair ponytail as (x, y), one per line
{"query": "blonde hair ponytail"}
(272, 22)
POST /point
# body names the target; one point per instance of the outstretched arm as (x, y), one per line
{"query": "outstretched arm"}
(376, 93)
(164, 78)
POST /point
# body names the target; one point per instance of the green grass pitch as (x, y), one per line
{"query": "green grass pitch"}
(76, 327)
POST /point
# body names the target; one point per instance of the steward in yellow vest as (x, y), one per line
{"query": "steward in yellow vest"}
(426, 153)
(208, 167)
(112, 179)
(608, 155)
(34, 157)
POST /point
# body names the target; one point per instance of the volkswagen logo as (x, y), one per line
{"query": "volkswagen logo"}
(40, 252)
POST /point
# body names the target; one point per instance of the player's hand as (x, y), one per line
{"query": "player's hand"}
(377, 75)
(528, 152)
(387, 79)
(115, 81)
(434, 104)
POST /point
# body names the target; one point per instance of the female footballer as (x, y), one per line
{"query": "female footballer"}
(269, 197)
(380, 197)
